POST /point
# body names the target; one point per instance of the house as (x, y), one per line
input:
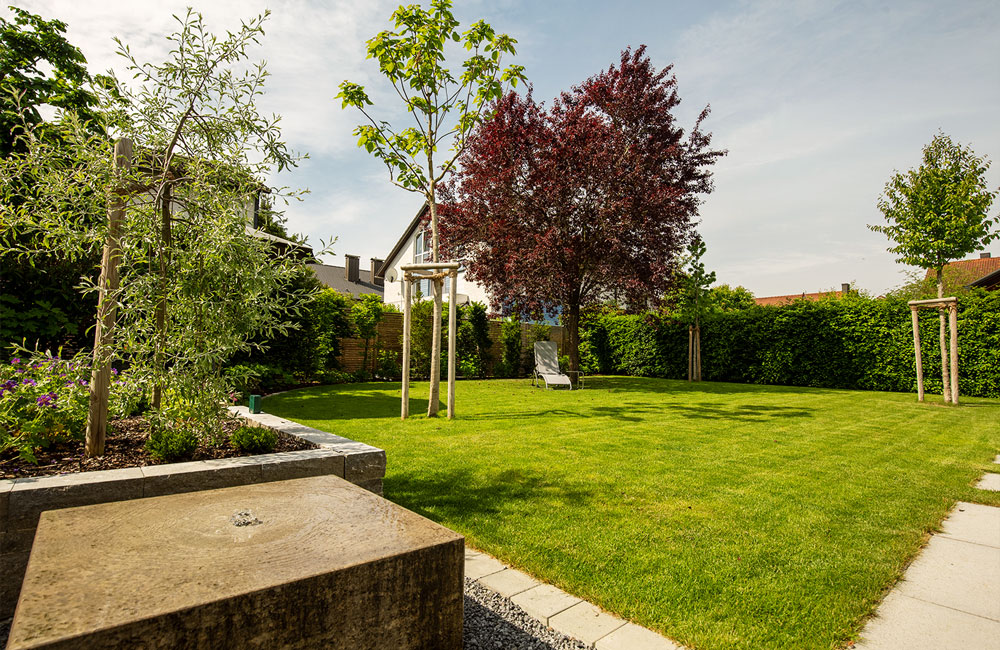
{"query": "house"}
(819, 295)
(963, 273)
(415, 247)
(351, 278)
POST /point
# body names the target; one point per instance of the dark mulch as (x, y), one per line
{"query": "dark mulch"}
(124, 447)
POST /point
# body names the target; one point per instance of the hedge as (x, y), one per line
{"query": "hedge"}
(851, 342)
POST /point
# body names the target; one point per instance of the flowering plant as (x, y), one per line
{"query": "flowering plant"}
(44, 399)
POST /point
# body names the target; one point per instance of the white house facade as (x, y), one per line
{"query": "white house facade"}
(414, 247)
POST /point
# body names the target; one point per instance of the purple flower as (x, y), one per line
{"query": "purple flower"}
(28, 382)
(114, 371)
(15, 360)
(48, 399)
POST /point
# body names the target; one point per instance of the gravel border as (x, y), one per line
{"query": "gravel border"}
(493, 622)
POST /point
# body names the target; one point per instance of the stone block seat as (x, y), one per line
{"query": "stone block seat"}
(305, 563)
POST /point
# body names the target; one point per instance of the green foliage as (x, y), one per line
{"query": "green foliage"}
(729, 298)
(939, 211)
(367, 313)
(693, 299)
(387, 366)
(851, 342)
(254, 440)
(421, 332)
(169, 444)
(511, 349)
(445, 107)
(536, 332)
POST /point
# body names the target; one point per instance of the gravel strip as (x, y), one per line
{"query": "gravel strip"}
(493, 622)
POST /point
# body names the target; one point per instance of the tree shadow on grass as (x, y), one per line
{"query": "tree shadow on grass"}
(341, 405)
(461, 493)
(657, 385)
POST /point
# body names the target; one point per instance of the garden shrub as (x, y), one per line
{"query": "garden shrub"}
(254, 440)
(510, 348)
(851, 342)
(170, 444)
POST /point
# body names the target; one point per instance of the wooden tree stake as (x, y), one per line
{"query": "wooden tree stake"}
(405, 408)
(916, 348)
(953, 323)
(452, 317)
(100, 378)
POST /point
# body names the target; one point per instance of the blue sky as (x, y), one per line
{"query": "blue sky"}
(817, 103)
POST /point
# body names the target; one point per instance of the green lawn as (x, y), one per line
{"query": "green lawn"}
(723, 515)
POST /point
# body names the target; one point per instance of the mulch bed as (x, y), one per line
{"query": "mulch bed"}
(123, 447)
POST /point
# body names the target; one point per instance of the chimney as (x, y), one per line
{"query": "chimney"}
(845, 288)
(352, 268)
(984, 256)
(376, 265)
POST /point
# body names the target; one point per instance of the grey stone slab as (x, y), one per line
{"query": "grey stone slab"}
(634, 637)
(956, 574)
(374, 486)
(16, 540)
(913, 624)
(997, 459)
(12, 566)
(482, 565)
(176, 478)
(972, 522)
(5, 487)
(363, 465)
(325, 565)
(508, 582)
(585, 622)
(990, 481)
(301, 464)
(544, 601)
(30, 496)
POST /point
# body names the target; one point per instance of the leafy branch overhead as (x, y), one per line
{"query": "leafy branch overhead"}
(444, 105)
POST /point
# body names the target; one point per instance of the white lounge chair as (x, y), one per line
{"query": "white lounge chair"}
(547, 366)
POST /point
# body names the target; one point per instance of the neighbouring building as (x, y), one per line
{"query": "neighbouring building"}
(818, 295)
(977, 272)
(414, 246)
(350, 278)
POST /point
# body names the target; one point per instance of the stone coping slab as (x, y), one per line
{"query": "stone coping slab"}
(565, 613)
(314, 562)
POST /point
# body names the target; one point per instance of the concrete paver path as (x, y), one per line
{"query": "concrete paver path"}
(950, 595)
(562, 612)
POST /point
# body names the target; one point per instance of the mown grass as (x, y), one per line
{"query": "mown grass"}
(723, 515)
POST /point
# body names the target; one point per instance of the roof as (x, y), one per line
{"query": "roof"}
(335, 277)
(398, 248)
(965, 272)
(782, 300)
(990, 281)
(302, 251)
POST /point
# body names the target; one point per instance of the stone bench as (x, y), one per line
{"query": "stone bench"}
(306, 563)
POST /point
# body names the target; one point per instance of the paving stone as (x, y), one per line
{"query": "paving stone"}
(544, 601)
(990, 481)
(301, 464)
(904, 622)
(482, 565)
(585, 622)
(972, 522)
(508, 582)
(956, 574)
(633, 637)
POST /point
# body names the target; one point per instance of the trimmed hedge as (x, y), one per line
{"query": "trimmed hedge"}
(851, 342)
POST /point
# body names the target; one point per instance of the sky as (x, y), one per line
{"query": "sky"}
(817, 102)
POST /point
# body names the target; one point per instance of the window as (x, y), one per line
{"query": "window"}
(422, 253)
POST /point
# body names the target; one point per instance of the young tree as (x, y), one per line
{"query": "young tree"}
(937, 213)
(695, 302)
(367, 313)
(195, 287)
(591, 200)
(444, 107)
(728, 298)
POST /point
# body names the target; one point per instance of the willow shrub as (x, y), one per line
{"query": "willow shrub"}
(853, 342)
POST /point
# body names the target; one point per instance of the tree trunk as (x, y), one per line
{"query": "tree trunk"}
(100, 378)
(161, 306)
(434, 397)
(697, 351)
(690, 352)
(942, 315)
(572, 322)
